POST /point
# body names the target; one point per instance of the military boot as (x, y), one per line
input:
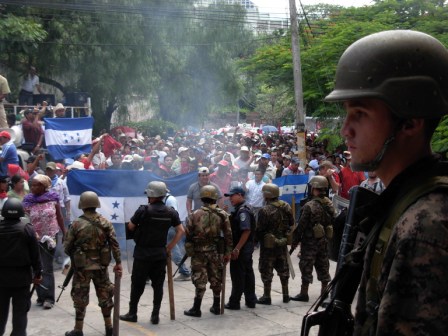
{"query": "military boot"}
(74, 333)
(216, 308)
(303, 296)
(131, 316)
(155, 315)
(195, 310)
(266, 298)
(285, 293)
(109, 331)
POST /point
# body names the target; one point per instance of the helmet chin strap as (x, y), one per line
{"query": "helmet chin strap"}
(373, 165)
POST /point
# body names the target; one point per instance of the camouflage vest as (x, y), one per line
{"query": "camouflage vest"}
(373, 297)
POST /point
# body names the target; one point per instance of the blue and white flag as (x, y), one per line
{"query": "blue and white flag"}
(291, 185)
(121, 192)
(67, 137)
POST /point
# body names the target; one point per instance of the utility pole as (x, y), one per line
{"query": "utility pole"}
(298, 90)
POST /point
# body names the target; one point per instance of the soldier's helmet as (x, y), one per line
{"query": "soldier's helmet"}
(156, 189)
(89, 199)
(319, 182)
(208, 191)
(406, 69)
(270, 190)
(13, 209)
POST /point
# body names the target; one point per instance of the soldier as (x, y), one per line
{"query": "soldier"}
(394, 87)
(275, 221)
(89, 243)
(19, 266)
(242, 221)
(150, 225)
(314, 229)
(209, 244)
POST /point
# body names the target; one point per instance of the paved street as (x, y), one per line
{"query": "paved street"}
(278, 319)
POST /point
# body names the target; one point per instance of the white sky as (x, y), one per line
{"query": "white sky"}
(281, 7)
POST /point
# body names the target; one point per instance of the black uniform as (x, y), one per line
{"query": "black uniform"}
(19, 262)
(241, 269)
(153, 222)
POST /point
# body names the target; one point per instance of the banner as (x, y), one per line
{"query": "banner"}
(67, 137)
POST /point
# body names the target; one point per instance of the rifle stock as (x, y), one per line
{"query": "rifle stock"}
(337, 318)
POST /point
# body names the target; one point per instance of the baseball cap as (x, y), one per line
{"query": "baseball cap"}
(203, 170)
(295, 160)
(244, 149)
(182, 149)
(223, 163)
(266, 156)
(235, 190)
(128, 158)
(51, 165)
(5, 134)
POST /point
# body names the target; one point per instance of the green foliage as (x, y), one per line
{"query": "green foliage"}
(440, 138)
(154, 127)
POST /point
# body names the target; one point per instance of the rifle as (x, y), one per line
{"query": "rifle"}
(223, 288)
(116, 316)
(67, 280)
(182, 261)
(170, 286)
(337, 319)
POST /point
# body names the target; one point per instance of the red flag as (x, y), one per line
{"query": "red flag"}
(109, 145)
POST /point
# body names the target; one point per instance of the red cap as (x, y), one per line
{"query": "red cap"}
(223, 163)
(5, 134)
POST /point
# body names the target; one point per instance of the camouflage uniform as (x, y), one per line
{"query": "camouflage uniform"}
(412, 289)
(204, 229)
(314, 251)
(91, 233)
(274, 218)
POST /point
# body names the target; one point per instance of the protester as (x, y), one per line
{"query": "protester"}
(43, 209)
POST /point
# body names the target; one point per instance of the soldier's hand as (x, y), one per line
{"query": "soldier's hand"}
(226, 258)
(37, 280)
(235, 254)
(118, 269)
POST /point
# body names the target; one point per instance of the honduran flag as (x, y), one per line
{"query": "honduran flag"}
(121, 192)
(292, 185)
(67, 137)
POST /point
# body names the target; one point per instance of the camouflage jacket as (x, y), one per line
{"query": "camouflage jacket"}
(90, 233)
(319, 210)
(276, 218)
(205, 228)
(412, 289)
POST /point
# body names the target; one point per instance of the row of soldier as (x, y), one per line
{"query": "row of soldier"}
(213, 238)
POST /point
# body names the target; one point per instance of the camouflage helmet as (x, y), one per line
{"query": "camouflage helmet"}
(13, 209)
(89, 199)
(209, 191)
(406, 69)
(156, 189)
(319, 182)
(270, 190)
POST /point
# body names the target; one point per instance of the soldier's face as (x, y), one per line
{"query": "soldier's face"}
(366, 127)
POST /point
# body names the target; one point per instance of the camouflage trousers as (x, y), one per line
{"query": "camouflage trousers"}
(81, 286)
(206, 267)
(314, 253)
(270, 259)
